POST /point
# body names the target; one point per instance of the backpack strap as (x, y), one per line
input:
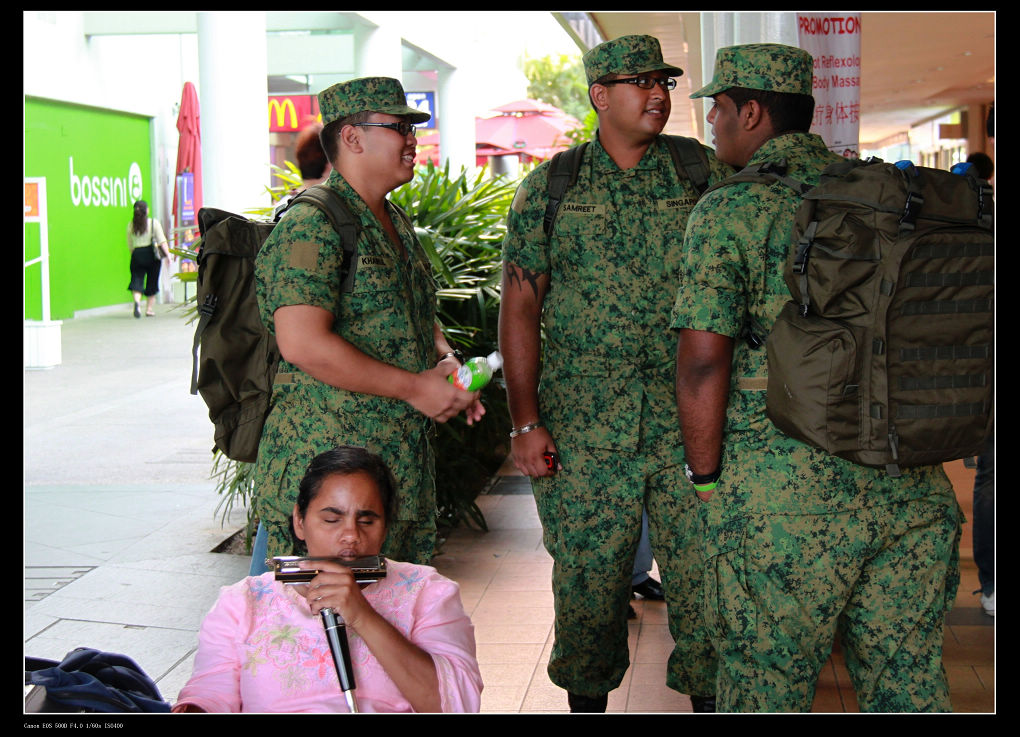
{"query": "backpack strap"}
(767, 173)
(690, 159)
(562, 176)
(343, 222)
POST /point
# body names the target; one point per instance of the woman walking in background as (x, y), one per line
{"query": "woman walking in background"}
(148, 245)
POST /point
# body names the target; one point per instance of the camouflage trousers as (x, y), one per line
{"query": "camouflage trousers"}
(880, 579)
(591, 520)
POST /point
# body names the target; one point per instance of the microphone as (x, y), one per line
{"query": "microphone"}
(336, 635)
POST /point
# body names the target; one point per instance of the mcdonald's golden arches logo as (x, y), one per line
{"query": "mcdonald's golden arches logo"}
(291, 113)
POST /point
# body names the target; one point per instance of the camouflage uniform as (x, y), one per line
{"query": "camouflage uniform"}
(802, 545)
(607, 398)
(388, 314)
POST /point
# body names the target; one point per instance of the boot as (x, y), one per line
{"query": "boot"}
(587, 704)
(703, 704)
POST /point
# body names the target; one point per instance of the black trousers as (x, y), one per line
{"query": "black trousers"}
(144, 271)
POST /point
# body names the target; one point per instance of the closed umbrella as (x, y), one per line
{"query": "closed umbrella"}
(189, 159)
(189, 148)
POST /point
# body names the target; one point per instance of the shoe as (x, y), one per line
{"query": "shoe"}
(138, 312)
(703, 704)
(649, 589)
(631, 614)
(988, 604)
(150, 314)
(587, 704)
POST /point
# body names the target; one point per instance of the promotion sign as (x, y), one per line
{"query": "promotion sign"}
(834, 40)
(186, 198)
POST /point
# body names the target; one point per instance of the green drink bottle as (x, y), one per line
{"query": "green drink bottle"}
(476, 372)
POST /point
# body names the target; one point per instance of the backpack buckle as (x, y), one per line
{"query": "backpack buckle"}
(208, 307)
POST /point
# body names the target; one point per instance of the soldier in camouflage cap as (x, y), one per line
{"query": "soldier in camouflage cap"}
(600, 283)
(364, 361)
(368, 94)
(800, 545)
(769, 67)
(626, 55)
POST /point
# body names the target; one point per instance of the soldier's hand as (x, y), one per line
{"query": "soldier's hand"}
(475, 412)
(527, 451)
(434, 396)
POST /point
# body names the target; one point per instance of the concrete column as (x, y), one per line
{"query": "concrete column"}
(233, 95)
(457, 122)
(728, 29)
(377, 52)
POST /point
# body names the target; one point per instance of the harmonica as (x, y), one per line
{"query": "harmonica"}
(369, 569)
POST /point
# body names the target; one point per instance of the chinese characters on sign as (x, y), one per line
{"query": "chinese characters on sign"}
(834, 40)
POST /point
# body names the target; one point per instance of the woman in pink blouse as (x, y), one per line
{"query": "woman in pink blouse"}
(263, 648)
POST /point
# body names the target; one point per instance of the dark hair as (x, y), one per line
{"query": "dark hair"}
(329, 134)
(983, 163)
(789, 112)
(311, 159)
(346, 460)
(140, 221)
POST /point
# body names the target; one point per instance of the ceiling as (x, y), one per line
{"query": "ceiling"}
(915, 66)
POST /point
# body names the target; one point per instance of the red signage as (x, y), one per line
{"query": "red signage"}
(291, 113)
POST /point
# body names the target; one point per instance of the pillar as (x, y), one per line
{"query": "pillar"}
(457, 122)
(233, 92)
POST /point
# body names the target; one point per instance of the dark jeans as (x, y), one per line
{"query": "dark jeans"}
(984, 518)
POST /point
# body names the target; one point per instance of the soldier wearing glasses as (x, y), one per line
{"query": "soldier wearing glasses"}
(602, 284)
(363, 365)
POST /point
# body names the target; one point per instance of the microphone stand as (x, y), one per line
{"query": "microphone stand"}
(336, 635)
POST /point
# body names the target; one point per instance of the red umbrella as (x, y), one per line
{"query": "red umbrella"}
(189, 148)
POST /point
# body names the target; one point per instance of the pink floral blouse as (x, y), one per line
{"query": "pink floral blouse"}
(261, 649)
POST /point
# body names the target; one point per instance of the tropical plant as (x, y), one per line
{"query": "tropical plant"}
(559, 81)
(460, 223)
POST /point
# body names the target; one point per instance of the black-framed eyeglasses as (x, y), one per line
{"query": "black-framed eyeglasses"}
(645, 83)
(403, 127)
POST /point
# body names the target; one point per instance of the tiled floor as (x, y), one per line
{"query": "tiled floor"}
(504, 575)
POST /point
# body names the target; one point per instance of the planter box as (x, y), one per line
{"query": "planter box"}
(42, 344)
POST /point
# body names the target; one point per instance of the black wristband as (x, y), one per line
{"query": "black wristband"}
(703, 479)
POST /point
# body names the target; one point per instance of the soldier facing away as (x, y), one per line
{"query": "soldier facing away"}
(800, 545)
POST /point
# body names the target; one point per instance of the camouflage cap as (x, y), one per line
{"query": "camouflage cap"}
(770, 67)
(367, 94)
(627, 55)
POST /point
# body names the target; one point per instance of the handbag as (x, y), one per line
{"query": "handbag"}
(155, 248)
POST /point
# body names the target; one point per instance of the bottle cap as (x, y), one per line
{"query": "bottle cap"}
(495, 360)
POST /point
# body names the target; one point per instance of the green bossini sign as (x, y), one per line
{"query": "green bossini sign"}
(96, 164)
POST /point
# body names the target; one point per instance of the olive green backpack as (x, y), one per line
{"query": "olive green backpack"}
(884, 355)
(234, 356)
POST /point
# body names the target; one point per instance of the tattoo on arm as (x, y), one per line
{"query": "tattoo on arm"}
(519, 275)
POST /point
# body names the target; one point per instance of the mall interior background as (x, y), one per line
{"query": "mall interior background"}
(102, 103)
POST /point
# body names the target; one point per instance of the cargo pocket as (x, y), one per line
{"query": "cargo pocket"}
(814, 380)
